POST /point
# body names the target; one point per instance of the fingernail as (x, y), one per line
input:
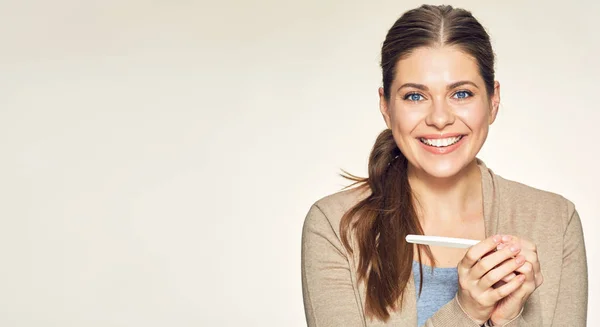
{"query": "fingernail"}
(521, 278)
(501, 246)
(514, 248)
(496, 238)
(505, 238)
(519, 260)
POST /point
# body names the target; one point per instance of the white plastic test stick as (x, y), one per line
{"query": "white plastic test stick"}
(441, 241)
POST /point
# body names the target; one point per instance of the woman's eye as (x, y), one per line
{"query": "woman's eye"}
(462, 94)
(414, 97)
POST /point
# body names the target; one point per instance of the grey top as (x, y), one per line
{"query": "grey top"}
(439, 288)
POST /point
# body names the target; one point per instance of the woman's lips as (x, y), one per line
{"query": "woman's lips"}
(445, 144)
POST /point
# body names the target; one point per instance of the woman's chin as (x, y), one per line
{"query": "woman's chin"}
(442, 173)
(444, 169)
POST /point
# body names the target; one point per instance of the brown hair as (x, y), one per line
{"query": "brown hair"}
(380, 222)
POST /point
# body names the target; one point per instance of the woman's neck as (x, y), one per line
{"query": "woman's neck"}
(457, 199)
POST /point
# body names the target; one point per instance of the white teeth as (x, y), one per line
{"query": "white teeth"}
(441, 142)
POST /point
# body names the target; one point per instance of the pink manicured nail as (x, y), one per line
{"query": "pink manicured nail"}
(519, 260)
(501, 246)
(496, 238)
(514, 248)
(506, 238)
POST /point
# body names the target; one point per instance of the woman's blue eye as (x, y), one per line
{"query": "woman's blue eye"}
(462, 94)
(414, 97)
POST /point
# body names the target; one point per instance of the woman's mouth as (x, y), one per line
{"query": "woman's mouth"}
(441, 142)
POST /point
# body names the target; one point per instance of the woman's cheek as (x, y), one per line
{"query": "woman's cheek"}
(474, 115)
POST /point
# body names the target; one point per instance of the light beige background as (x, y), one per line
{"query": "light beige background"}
(158, 157)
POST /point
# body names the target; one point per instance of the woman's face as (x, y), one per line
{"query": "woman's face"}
(439, 110)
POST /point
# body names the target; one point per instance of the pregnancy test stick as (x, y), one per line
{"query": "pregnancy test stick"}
(450, 242)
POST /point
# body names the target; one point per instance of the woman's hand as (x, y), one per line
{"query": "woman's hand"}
(479, 270)
(510, 306)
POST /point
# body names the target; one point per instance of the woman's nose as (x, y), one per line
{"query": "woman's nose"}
(440, 115)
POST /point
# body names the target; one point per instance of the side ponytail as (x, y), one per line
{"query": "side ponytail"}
(380, 223)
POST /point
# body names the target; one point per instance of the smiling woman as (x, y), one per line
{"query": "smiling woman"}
(438, 100)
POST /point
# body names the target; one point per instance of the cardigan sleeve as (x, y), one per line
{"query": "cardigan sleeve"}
(329, 295)
(451, 314)
(571, 306)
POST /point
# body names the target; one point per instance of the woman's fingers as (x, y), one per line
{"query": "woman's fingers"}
(493, 260)
(497, 274)
(525, 244)
(506, 278)
(496, 294)
(529, 250)
(534, 271)
(509, 277)
(477, 251)
(529, 283)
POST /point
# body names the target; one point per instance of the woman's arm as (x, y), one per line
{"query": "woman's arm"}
(571, 307)
(327, 287)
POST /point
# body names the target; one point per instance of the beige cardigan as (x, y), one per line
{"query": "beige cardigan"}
(332, 296)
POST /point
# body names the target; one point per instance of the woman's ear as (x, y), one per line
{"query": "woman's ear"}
(495, 102)
(383, 107)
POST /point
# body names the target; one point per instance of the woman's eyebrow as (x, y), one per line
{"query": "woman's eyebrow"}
(461, 83)
(425, 88)
(414, 85)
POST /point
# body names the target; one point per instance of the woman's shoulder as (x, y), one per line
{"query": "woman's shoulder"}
(327, 212)
(518, 196)
(521, 192)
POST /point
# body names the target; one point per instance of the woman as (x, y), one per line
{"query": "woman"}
(438, 99)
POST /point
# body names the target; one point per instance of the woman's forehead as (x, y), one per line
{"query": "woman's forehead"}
(430, 65)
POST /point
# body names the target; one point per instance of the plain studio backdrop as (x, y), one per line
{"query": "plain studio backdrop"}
(159, 157)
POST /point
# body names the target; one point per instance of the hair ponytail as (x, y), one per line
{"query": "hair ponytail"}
(381, 223)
